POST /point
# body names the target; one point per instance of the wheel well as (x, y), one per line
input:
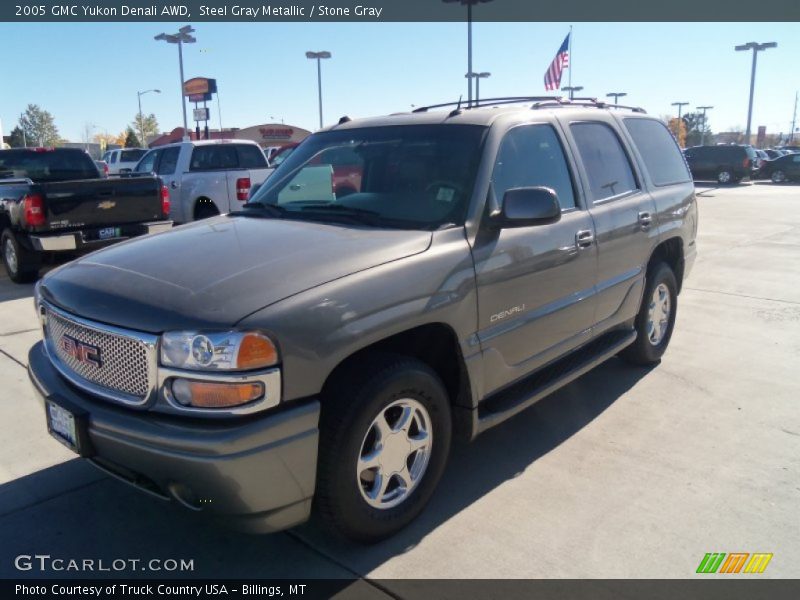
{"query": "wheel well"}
(670, 252)
(203, 201)
(434, 344)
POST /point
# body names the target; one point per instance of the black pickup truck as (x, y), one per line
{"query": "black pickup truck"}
(53, 200)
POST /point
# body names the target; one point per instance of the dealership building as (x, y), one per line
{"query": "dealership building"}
(266, 135)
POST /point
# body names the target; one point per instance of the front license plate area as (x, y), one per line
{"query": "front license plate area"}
(68, 428)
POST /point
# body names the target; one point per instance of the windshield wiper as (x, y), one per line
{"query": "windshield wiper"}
(253, 208)
(371, 217)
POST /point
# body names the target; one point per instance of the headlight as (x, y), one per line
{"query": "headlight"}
(217, 351)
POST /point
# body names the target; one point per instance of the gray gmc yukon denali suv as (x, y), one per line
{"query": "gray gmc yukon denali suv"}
(319, 351)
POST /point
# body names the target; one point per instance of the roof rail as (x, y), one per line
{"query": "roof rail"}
(587, 102)
(488, 102)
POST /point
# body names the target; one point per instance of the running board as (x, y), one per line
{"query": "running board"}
(530, 390)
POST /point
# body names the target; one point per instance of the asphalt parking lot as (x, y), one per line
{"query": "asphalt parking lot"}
(626, 473)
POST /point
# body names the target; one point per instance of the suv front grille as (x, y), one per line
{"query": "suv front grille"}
(120, 369)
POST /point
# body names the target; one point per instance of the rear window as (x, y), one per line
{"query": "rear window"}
(131, 155)
(251, 157)
(660, 153)
(211, 158)
(47, 165)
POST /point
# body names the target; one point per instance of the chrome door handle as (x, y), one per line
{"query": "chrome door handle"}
(584, 238)
(645, 219)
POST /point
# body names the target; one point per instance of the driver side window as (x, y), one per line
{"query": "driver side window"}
(532, 156)
(148, 162)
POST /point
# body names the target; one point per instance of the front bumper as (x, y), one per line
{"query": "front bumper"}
(258, 472)
(78, 240)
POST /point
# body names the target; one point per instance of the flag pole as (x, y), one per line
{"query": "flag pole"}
(569, 75)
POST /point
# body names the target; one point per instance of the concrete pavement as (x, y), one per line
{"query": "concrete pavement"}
(625, 473)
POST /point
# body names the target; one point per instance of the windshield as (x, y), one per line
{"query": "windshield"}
(47, 165)
(413, 177)
(280, 156)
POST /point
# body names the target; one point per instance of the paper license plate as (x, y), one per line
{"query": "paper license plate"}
(108, 232)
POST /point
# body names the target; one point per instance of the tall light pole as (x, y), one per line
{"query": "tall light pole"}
(469, 4)
(477, 77)
(756, 48)
(141, 117)
(680, 105)
(572, 89)
(182, 37)
(794, 118)
(319, 56)
(703, 130)
(616, 96)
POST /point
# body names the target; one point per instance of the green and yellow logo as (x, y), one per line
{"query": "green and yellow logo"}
(734, 563)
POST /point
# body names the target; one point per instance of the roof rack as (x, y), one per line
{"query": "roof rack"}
(538, 102)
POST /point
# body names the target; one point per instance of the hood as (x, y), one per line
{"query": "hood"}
(215, 272)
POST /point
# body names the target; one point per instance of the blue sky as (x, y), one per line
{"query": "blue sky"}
(90, 72)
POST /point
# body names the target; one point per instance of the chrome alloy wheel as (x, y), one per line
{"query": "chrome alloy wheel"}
(724, 177)
(10, 254)
(658, 314)
(395, 453)
(778, 177)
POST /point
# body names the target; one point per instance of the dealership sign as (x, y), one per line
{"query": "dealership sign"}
(199, 89)
(276, 133)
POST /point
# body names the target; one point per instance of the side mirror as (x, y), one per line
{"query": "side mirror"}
(524, 207)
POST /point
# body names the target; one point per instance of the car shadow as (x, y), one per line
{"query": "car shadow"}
(72, 511)
(13, 291)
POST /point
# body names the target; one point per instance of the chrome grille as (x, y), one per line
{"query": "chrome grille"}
(124, 359)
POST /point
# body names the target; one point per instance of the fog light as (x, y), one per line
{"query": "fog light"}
(206, 394)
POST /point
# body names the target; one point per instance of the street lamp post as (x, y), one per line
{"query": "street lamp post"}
(319, 56)
(572, 89)
(182, 37)
(756, 48)
(703, 130)
(680, 105)
(469, 4)
(477, 77)
(616, 96)
(141, 117)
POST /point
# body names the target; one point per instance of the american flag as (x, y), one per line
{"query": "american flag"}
(552, 77)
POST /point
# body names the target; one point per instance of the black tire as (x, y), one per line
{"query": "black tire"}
(725, 177)
(347, 417)
(205, 209)
(643, 351)
(778, 176)
(24, 266)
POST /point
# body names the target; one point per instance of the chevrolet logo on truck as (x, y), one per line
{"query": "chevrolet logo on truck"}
(83, 353)
(106, 204)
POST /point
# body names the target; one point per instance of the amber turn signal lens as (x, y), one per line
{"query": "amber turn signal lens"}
(256, 351)
(202, 394)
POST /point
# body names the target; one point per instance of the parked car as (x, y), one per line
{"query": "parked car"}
(773, 153)
(102, 167)
(322, 350)
(123, 158)
(761, 156)
(208, 177)
(780, 170)
(724, 163)
(55, 201)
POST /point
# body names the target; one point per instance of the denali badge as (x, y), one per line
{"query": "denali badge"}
(507, 313)
(83, 353)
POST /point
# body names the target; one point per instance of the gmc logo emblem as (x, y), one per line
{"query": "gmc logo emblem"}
(83, 353)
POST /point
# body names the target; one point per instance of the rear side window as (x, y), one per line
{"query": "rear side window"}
(251, 157)
(131, 155)
(212, 158)
(607, 166)
(112, 157)
(169, 160)
(532, 156)
(660, 153)
(148, 162)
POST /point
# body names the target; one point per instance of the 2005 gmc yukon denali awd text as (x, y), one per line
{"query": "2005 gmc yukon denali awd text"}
(320, 352)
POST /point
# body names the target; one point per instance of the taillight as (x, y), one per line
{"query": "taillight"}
(746, 163)
(33, 206)
(242, 188)
(105, 169)
(164, 201)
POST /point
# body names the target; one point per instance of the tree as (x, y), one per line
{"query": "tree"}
(131, 141)
(694, 129)
(678, 129)
(147, 127)
(39, 126)
(15, 138)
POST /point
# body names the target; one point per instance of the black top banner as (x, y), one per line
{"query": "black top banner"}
(400, 10)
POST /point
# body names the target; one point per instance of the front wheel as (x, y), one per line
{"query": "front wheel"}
(724, 176)
(22, 265)
(778, 176)
(384, 443)
(656, 318)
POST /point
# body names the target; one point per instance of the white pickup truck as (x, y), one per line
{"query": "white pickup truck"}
(206, 178)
